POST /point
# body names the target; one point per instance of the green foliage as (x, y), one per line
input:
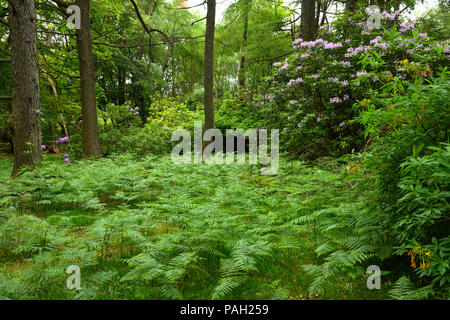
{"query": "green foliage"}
(423, 213)
(236, 113)
(403, 289)
(150, 229)
(168, 114)
(404, 209)
(141, 227)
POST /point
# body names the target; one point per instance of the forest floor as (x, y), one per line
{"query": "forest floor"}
(166, 230)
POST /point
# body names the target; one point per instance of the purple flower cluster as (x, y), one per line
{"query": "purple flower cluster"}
(407, 26)
(333, 79)
(319, 117)
(285, 65)
(387, 16)
(134, 110)
(352, 51)
(331, 45)
(375, 40)
(294, 81)
(335, 100)
(64, 139)
(381, 45)
(299, 43)
(360, 73)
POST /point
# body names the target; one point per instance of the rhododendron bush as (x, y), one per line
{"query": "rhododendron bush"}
(316, 93)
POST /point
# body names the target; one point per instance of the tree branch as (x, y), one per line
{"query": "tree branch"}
(144, 25)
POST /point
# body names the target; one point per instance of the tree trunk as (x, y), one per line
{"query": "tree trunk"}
(308, 20)
(350, 5)
(121, 86)
(24, 120)
(241, 69)
(58, 108)
(172, 63)
(91, 143)
(209, 64)
(317, 18)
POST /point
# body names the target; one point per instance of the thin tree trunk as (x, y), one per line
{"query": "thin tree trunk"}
(91, 143)
(172, 63)
(58, 109)
(308, 20)
(350, 5)
(209, 64)
(241, 69)
(317, 18)
(24, 121)
(121, 85)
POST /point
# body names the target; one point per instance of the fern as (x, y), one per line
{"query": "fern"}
(404, 289)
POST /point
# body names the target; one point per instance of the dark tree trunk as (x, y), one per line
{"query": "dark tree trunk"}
(121, 86)
(209, 64)
(317, 18)
(241, 69)
(308, 20)
(24, 121)
(172, 77)
(350, 5)
(91, 143)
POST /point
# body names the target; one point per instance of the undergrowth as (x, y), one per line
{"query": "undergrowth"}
(150, 229)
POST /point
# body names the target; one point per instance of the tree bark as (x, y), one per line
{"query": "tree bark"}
(308, 20)
(241, 69)
(209, 64)
(350, 5)
(121, 86)
(24, 120)
(89, 132)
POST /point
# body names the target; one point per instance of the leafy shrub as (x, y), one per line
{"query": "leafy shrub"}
(238, 113)
(402, 93)
(312, 93)
(422, 225)
(167, 114)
